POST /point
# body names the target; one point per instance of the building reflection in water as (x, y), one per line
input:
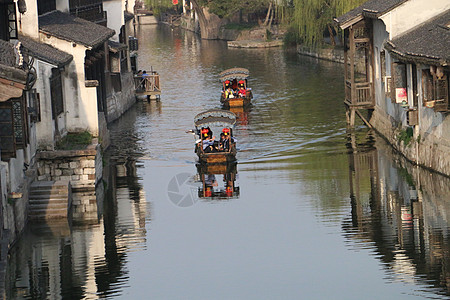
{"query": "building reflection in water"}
(403, 216)
(209, 177)
(85, 260)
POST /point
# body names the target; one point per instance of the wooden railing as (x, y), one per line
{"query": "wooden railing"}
(148, 84)
(360, 94)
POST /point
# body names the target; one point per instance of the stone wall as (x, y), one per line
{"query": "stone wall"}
(14, 210)
(336, 55)
(120, 102)
(68, 165)
(84, 170)
(429, 151)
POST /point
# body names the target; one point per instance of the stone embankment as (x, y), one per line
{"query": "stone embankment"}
(254, 44)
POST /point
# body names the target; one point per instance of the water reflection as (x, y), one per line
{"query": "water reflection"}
(87, 260)
(307, 190)
(218, 182)
(401, 212)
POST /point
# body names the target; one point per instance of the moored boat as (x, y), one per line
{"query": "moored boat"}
(208, 149)
(235, 90)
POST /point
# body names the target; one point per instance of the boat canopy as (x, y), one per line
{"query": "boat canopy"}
(215, 117)
(234, 73)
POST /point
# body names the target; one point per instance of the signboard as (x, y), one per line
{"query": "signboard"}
(401, 95)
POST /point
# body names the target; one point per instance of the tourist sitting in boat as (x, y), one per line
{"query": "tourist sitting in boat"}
(228, 139)
(227, 84)
(242, 92)
(221, 141)
(229, 93)
(208, 141)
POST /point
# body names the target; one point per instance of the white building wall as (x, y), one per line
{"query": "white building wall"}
(412, 13)
(28, 24)
(63, 5)
(130, 5)
(45, 128)
(431, 140)
(80, 102)
(115, 9)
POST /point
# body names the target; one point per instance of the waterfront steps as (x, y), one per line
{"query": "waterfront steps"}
(49, 200)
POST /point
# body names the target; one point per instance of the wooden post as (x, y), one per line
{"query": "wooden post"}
(352, 64)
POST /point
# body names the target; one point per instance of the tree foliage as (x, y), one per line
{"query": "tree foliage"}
(159, 6)
(226, 8)
(312, 17)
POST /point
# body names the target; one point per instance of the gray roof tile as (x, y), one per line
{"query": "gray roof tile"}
(376, 7)
(7, 54)
(8, 63)
(70, 28)
(427, 43)
(46, 52)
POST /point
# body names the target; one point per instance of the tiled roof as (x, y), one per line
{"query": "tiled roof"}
(46, 52)
(371, 7)
(427, 43)
(7, 55)
(128, 16)
(70, 28)
(8, 64)
(115, 46)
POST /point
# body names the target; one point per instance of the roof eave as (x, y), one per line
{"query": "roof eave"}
(414, 57)
(89, 46)
(349, 22)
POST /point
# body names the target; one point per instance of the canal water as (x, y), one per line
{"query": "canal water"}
(314, 211)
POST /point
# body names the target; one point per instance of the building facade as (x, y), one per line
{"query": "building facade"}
(404, 83)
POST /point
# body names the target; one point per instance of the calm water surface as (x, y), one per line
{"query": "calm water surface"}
(312, 218)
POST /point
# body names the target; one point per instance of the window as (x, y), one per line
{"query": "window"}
(435, 90)
(7, 142)
(8, 23)
(12, 24)
(46, 6)
(20, 122)
(34, 110)
(56, 93)
(398, 89)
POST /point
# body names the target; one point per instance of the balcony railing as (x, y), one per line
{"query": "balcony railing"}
(360, 94)
(147, 85)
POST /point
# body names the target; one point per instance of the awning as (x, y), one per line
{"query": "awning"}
(234, 73)
(215, 117)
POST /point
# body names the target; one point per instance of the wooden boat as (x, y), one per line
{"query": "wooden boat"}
(210, 189)
(215, 118)
(235, 78)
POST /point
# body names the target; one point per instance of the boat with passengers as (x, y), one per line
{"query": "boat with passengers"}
(235, 90)
(209, 149)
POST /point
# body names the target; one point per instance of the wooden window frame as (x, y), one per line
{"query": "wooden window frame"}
(7, 138)
(395, 80)
(56, 93)
(435, 91)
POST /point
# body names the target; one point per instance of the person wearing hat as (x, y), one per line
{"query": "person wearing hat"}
(221, 141)
(242, 92)
(229, 93)
(207, 140)
(228, 139)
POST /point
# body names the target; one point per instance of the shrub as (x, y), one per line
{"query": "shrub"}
(74, 141)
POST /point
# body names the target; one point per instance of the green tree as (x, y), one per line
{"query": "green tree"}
(226, 8)
(159, 6)
(312, 17)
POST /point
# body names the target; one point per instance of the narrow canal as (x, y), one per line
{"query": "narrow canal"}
(312, 217)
